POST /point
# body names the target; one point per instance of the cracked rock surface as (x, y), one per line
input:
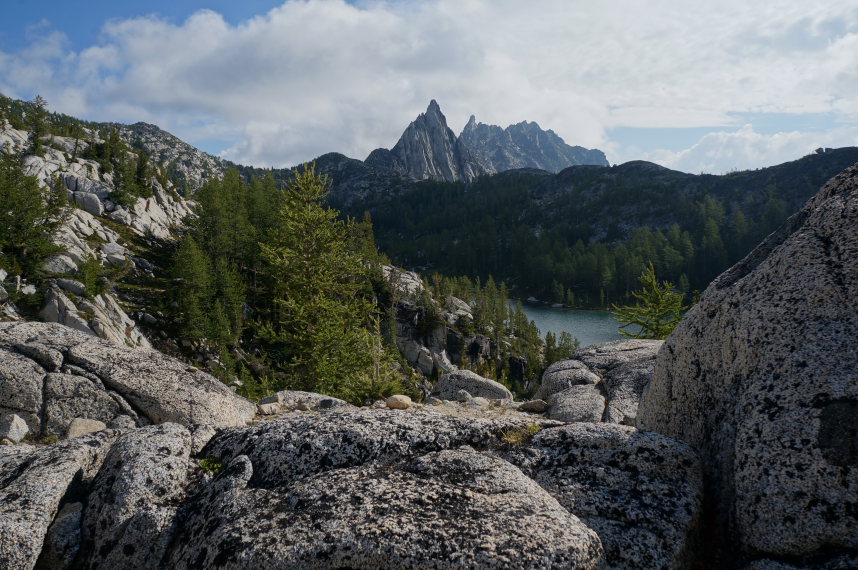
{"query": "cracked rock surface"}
(33, 481)
(51, 374)
(760, 377)
(601, 382)
(371, 488)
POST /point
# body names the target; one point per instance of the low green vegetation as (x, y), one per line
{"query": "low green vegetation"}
(519, 436)
(212, 465)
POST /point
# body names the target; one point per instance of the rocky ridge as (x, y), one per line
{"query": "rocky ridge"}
(524, 145)
(188, 166)
(428, 149)
(93, 230)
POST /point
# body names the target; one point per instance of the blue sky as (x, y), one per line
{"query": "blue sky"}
(696, 86)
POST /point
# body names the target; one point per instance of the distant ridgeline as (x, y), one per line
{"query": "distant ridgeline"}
(584, 235)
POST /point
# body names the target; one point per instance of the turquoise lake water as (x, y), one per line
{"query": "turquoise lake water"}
(589, 327)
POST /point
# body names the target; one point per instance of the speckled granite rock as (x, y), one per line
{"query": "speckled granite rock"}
(605, 356)
(13, 428)
(291, 448)
(583, 403)
(624, 386)
(292, 399)
(621, 369)
(62, 543)
(68, 397)
(97, 380)
(761, 378)
(448, 386)
(452, 509)
(33, 481)
(641, 492)
(129, 515)
(835, 562)
(564, 374)
(21, 388)
(165, 389)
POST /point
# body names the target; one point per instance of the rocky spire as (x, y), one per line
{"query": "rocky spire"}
(429, 149)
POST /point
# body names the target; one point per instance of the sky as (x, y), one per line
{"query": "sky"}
(696, 86)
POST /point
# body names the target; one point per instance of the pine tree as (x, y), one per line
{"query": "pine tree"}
(37, 123)
(658, 311)
(318, 329)
(29, 216)
(195, 289)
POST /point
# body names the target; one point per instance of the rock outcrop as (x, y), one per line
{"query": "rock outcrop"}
(137, 498)
(398, 516)
(601, 382)
(524, 145)
(33, 482)
(51, 375)
(760, 377)
(641, 492)
(130, 511)
(86, 235)
(449, 385)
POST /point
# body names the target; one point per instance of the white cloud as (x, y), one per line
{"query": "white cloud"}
(313, 76)
(745, 149)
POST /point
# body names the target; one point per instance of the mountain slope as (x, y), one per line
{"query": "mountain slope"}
(187, 166)
(589, 230)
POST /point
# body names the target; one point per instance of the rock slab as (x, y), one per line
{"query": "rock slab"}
(448, 386)
(760, 377)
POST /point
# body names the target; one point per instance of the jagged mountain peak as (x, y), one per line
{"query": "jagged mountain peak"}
(525, 145)
(429, 149)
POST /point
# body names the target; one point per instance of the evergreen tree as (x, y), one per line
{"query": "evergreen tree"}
(37, 122)
(319, 327)
(29, 216)
(658, 311)
(194, 291)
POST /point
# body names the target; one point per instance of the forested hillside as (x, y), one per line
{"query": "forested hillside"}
(584, 235)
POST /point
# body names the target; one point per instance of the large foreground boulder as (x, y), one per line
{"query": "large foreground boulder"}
(33, 482)
(51, 375)
(762, 378)
(371, 488)
(451, 509)
(641, 492)
(129, 516)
